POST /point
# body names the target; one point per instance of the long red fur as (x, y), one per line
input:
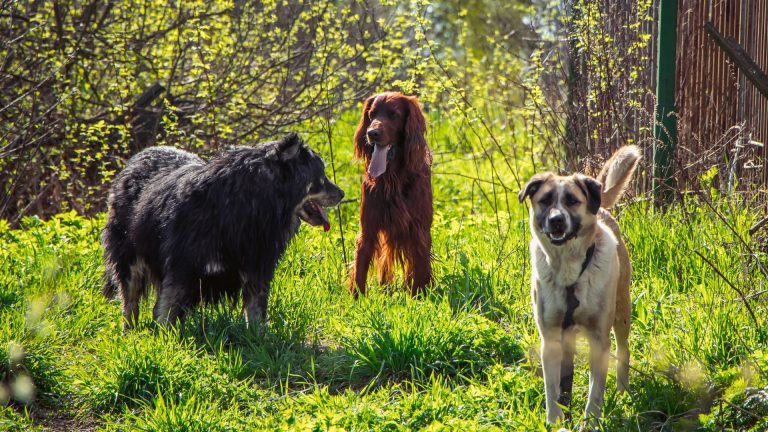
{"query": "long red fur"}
(396, 208)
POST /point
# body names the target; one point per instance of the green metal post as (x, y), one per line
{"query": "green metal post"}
(665, 130)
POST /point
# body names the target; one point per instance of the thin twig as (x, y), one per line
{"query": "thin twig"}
(741, 294)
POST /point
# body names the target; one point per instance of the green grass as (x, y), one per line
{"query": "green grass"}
(462, 357)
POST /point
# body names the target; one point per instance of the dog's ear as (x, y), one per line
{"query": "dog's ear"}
(362, 128)
(415, 144)
(593, 190)
(288, 147)
(533, 185)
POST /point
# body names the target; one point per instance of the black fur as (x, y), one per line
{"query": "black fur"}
(141, 171)
(593, 190)
(533, 185)
(200, 231)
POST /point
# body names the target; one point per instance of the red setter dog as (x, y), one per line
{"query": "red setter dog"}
(396, 207)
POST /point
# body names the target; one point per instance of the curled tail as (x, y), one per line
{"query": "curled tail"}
(617, 172)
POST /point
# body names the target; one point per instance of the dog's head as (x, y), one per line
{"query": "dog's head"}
(561, 207)
(307, 171)
(391, 130)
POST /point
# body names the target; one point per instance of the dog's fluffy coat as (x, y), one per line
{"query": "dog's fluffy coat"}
(396, 200)
(200, 231)
(567, 217)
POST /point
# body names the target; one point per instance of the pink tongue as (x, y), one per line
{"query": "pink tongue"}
(326, 223)
(378, 161)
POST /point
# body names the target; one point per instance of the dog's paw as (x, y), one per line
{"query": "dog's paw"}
(555, 415)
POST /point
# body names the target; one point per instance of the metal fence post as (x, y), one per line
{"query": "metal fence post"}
(665, 131)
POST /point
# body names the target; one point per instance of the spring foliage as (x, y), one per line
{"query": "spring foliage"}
(84, 86)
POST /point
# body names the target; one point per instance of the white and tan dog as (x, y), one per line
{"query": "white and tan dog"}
(580, 274)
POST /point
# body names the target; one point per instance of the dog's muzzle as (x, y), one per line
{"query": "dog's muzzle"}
(557, 228)
(312, 210)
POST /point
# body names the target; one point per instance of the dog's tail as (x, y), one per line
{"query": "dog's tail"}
(616, 174)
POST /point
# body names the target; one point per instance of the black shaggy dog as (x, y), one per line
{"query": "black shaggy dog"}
(201, 230)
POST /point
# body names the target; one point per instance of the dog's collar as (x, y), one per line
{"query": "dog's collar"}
(587, 259)
(571, 302)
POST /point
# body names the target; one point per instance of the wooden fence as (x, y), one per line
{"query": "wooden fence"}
(722, 117)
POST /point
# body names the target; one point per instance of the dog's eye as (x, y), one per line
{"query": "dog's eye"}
(394, 115)
(571, 200)
(546, 200)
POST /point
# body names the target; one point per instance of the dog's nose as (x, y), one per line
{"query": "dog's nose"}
(373, 134)
(556, 220)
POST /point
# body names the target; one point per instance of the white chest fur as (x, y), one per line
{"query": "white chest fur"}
(556, 267)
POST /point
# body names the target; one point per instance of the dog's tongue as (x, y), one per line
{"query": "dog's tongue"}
(321, 210)
(378, 161)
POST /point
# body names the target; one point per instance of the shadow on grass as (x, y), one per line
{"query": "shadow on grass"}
(286, 352)
(272, 351)
(382, 339)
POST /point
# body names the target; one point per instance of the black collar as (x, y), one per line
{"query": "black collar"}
(571, 302)
(587, 259)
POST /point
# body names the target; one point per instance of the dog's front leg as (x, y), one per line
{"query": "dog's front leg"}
(551, 358)
(566, 367)
(599, 350)
(255, 297)
(366, 245)
(420, 262)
